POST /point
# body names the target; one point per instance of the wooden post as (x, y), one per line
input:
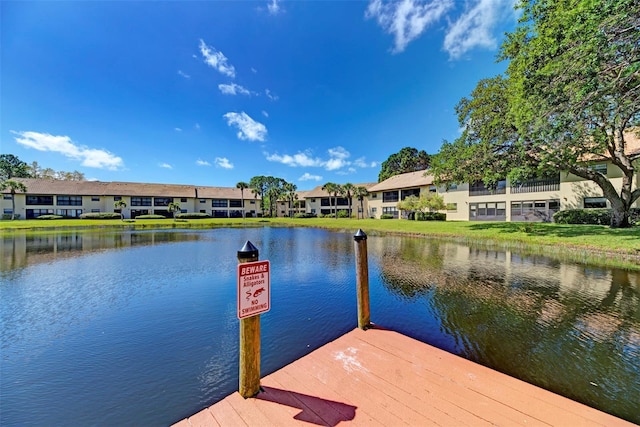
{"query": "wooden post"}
(362, 279)
(249, 383)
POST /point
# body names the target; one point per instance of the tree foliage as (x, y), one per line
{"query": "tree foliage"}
(406, 160)
(12, 167)
(570, 97)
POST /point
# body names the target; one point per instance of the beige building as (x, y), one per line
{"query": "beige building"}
(533, 200)
(73, 198)
(319, 202)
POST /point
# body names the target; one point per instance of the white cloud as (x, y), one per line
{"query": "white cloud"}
(216, 60)
(233, 89)
(183, 74)
(178, 129)
(197, 126)
(201, 162)
(253, 70)
(89, 157)
(165, 165)
(299, 159)
(362, 163)
(273, 7)
(406, 19)
(248, 128)
(308, 177)
(270, 95)
(337, 159)
(223, 162)
(474, 28)
(264, 113)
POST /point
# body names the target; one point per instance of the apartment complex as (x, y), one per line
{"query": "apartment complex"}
(73, 198)
(533, 200)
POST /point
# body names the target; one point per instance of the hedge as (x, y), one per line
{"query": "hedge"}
(304, 215)
(192, 215)
(430, 216)
(100, 215)
(46, 217)
(591, 216)
(151, 217)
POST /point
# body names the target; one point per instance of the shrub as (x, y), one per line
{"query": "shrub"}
(583, 216)
(46, 217)
(151, 217)
(8, 216)
(180, 220)
(192, 215)
(386, 216)
(343, 213)
(304, 215)
(430, 216)
(100, 215)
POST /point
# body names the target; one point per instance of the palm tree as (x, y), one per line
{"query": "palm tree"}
(333, 188)
(242, 186)
(290, 194)
(173, 207)
(120, 204)
(360, 193)
(348, 190)
(13, 186)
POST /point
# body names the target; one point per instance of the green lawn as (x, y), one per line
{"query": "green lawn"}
(590, 243)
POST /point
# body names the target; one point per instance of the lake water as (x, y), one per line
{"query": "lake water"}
(140, 328)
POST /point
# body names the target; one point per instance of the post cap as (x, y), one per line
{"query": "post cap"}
(360, 235)
(248, 251)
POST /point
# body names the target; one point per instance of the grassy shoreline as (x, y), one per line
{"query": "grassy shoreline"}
(582, 243)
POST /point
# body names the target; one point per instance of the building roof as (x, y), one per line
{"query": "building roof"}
(318, 192)
(99, 188)
(405, 180)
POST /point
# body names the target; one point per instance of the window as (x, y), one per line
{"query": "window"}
(141, 201)
(235, 203)
(40, 200)
(95, 210)
(324, 202)
(452, 207)
(162, 201)
(374, 195)
(35, 213)
(600, 167)
(203, 201)
(390, 210)
(7, 196)
(432, 189)
(516, 208)
(69, 200)
(203, 211)
(479, 189)
(253, 202)
(389, 196)
(69, 213)
(219, 203)
(406, 193)
(313, 200)
(554, 205)
(183, 200)
(482, 209)
(219, 214)
(595, 202)
(95, 198)
(491, 211)
(117, 198)
(452, 187)
(8, 211)
(501, 209)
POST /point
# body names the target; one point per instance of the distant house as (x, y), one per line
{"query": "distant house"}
(319, 202)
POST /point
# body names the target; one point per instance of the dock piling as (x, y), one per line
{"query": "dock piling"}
(249, 383)
(362, 279)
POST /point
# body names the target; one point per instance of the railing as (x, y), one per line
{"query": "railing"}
(536, 185)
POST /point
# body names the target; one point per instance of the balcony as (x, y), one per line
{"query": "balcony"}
(536, 186)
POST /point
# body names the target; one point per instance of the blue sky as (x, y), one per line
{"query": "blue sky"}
(213, 93)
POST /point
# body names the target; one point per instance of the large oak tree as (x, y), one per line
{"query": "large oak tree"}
(570, 97)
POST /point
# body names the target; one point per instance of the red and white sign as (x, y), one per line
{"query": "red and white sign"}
(254, 293)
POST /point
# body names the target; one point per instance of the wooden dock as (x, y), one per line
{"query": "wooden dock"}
(382, 378)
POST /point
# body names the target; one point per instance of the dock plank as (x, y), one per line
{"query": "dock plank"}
(380, 377)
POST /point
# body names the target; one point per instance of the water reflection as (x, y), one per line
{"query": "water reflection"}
(19, 250)
(569, 328)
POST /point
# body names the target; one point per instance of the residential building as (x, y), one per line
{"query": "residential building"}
(73, 198)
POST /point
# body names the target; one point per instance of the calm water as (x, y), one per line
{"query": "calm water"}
(139, 327)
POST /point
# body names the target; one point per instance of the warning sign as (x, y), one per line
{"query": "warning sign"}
(254, 293)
